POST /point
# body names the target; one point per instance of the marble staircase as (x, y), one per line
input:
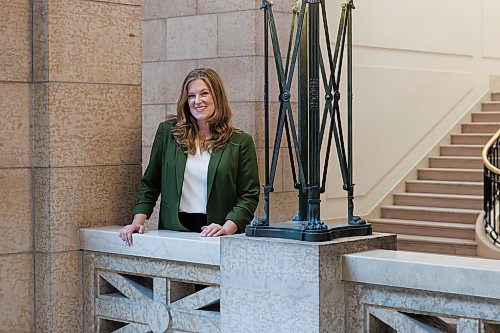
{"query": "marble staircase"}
(437, 212)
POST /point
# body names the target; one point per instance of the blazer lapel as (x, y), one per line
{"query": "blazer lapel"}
(212, 167)
(180, 166)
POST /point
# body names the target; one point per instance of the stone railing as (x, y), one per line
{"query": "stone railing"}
(405, 292)
(167, 281)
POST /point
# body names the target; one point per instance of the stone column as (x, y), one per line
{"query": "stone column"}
(16, 244)
(86, 140)
(278, 285)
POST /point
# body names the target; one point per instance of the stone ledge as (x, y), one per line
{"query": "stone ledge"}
(424, 271)
(159, 244)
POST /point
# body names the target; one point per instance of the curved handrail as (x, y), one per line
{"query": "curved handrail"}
(491, 188)
(486, 148)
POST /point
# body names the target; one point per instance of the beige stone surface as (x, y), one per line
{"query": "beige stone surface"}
(94, 124)
(152, 116)
(123, 2)
(192, 37)
(238, 75)
(153, 9)
(15, 25)
(16, 293)
(82, 197)
(40, 40)
(15, 205)
(58, 285)
(161, 81)
(40, 115)
(15, 105)
(244, 116)
(94, 42)
(214, 6)
(283, 206)
(236, 33)
(154, 41)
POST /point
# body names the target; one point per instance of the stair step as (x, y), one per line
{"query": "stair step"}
(444, 245)
(490, 106)
(461, 150)
(456, 162)
(495, 96)
(453, 215)
(468, 175)
(439, 200)
(444, 187)
(492, 116)
(470, 139)
(424, 228)
(480, 127)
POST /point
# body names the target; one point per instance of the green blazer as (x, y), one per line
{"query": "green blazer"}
(232, 184)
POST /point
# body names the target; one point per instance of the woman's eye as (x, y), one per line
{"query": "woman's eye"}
(205, 93)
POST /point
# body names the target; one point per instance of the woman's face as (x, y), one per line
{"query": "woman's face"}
(200, 101)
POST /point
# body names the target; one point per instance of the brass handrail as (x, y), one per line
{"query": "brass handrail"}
(488, 145)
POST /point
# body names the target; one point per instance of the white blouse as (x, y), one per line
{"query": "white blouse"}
(194, 188)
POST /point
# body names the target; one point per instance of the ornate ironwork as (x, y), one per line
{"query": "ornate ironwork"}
(491, 201)
(305, 140)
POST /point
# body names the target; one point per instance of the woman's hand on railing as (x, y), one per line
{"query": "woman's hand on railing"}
(137, 225)
(215, 230)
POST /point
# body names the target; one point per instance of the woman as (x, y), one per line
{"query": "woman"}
(204, 169)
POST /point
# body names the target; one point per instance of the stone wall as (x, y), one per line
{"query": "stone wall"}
(70, 133)
(227, 36)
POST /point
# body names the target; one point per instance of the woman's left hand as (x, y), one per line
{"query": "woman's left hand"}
(215, 230)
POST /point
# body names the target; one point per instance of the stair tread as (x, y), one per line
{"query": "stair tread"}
(440, 195)
(457, 157)
(452, 170)
(447, 182)
(434, 209)
(458, 145)
(432, 239)
(435, 224)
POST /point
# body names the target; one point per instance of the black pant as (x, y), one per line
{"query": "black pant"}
(193, 221)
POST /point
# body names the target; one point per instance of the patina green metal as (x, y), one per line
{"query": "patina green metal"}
(307, 140)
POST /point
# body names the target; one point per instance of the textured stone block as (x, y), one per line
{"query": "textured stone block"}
(192, 37)
(282, 206)
(15, 25)
(162, 81)
(15, 137)
(58, 285)
(238, 74)
(81, 198)
(244, 117)
(15, 205)
(214, 6)
(152, 116)
(154, 9)
(16, 293)
(236, 33)
(94, 124)
(154, 40)
(266, 292)
(94, 42)
(40, 40)
(283, 23)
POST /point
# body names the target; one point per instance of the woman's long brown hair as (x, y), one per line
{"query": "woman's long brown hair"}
(186, 129)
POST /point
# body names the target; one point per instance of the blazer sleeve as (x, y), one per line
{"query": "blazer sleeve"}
(151, 180)
(247, 185)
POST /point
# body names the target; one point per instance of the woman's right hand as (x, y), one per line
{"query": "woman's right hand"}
(137, 225)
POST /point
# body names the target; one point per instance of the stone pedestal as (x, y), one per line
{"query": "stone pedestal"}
(278, 285)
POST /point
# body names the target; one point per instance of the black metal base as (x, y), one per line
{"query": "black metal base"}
(296, 230)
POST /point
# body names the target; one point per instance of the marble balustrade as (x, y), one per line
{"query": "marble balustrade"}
(166, 282)
(420, 292)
